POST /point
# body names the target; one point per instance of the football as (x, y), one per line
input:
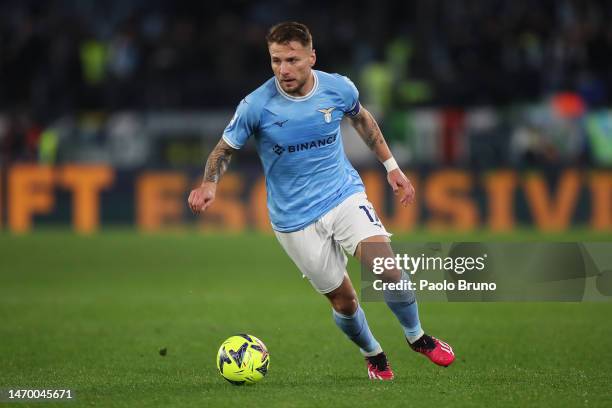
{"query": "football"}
(243, 359)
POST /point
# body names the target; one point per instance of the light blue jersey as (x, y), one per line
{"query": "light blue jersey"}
(300, 146)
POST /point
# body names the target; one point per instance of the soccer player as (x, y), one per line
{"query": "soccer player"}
(316, 200)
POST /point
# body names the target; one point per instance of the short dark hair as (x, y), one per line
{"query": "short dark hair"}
(285, 32)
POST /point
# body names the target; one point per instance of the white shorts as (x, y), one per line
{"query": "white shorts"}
(317, 250)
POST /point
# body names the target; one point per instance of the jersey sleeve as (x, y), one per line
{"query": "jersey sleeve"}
(350, 95)
(242, 126)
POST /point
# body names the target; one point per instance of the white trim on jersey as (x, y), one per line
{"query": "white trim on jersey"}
(299, 98)
(229, 142)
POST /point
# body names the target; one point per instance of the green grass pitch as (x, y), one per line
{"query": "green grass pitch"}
(92, 314)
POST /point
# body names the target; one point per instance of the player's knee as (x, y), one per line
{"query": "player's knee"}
(392, 276)
(345, 305)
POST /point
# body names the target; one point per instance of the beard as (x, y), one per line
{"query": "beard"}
(294, 87)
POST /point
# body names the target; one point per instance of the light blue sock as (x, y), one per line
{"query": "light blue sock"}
(403, 304)
(357, 330)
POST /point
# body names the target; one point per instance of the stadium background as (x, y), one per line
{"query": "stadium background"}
(499, 111)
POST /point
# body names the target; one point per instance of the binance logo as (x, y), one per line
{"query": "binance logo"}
(278, 149)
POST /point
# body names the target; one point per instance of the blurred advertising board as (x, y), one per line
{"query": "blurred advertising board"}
(88, 197)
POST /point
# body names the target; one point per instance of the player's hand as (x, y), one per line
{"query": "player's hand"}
(202, 197)
(401, 186)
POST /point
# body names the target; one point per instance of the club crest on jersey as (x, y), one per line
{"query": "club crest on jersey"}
(327, 114)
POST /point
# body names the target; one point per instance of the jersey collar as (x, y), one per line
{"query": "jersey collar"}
(299, 98)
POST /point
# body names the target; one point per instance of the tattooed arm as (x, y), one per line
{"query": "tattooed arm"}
(216, 165)
(367, 128)
(217, 162)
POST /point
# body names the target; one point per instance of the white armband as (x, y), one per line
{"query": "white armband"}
(390, 164)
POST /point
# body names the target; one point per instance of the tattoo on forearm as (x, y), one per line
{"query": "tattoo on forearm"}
(371, 133)
(374, 135)
(217, 162)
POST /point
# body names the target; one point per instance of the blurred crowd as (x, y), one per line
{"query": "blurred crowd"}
(59, 57)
